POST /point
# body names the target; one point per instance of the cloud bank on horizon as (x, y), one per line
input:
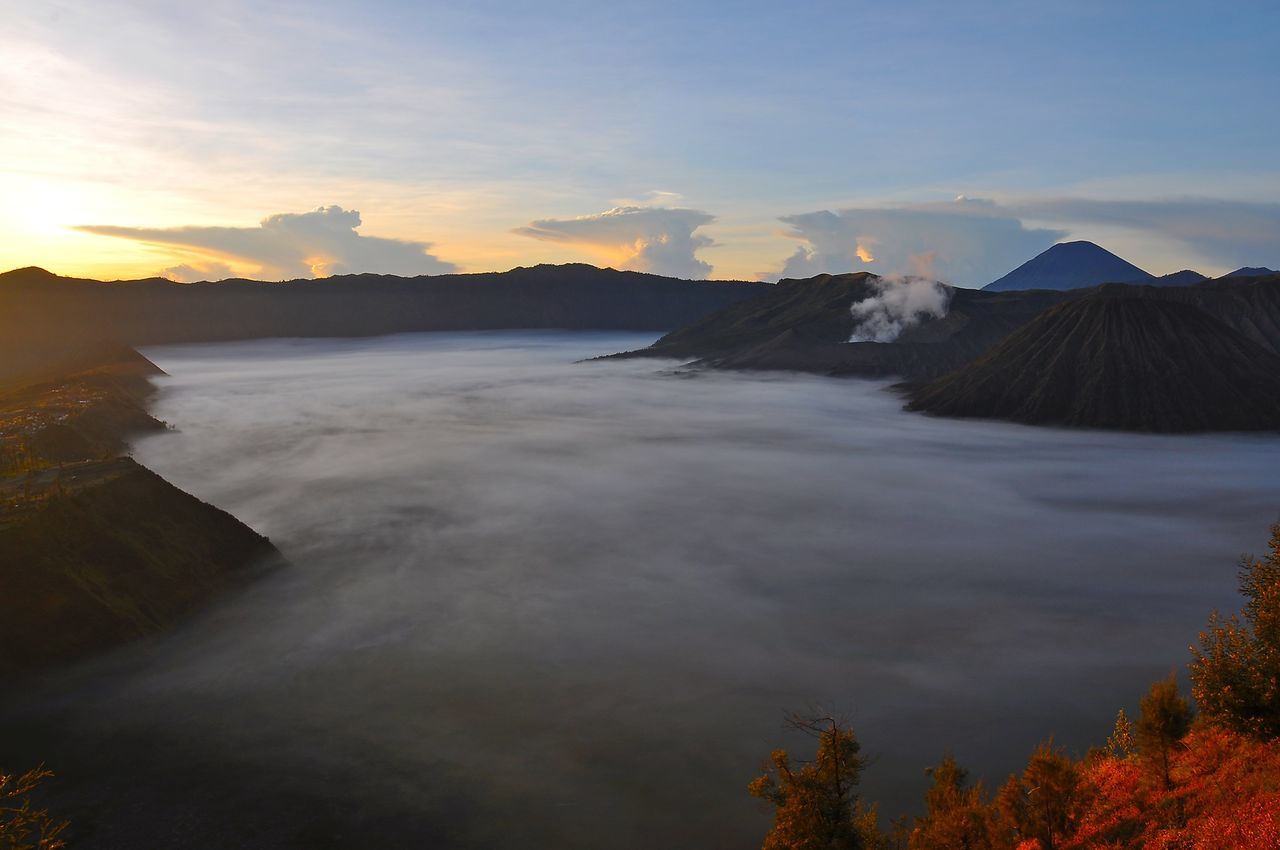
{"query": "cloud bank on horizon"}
(973, 241)
(964, 242)
(284, 246)
(659, 240)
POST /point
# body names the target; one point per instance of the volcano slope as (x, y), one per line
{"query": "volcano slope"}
(804, 325)
(1118, 361)
(1164, 359)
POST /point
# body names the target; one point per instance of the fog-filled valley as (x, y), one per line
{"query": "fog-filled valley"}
(533, 601)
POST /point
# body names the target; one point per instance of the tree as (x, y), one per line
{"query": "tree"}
(1121, 742)
(958, 816)
(1046, 802)
(1164, 722)
(23, 827)
(1235, 672)
(815, 807)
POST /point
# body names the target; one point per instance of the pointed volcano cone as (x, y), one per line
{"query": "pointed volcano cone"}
(1071, 265)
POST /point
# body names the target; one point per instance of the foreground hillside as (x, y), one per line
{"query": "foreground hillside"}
(94, 549)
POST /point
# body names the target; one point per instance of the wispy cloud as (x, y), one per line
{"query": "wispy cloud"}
(966, 242)
(318, 243)
(649, 239)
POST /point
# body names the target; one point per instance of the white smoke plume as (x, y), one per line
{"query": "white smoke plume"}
(899, 303)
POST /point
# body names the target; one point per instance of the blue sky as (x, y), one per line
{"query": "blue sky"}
(489, 135)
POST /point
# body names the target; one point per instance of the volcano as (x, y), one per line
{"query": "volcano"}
(1118, 362)
(1071, 265)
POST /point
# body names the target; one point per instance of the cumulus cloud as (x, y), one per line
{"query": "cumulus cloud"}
(660, 240)
(898, 303)
(318, 243)
(195, 271)
(968, 242)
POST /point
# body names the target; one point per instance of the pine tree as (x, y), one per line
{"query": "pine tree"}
(1235, 672)
(1121, 743)
(1046, 802)
(1165, 721)
(958, 816)
(23, 826)
(815, 806)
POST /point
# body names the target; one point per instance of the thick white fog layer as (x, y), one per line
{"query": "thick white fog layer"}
(537, 603)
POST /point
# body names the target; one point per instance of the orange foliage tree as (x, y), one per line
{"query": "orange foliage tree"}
(815, 805)
(959, 817)
(1235, 672)
(22, 825)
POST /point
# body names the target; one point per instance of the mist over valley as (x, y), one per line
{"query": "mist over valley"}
(531, 601)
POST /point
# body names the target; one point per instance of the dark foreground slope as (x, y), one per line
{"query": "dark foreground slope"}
(126, 555)
(94, 549)
(1121, 362)
(572, 297)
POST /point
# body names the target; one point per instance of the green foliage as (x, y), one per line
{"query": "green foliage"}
(1235, 672)
(22, 825)
(959, 817)
(815, 807)
(1165, 720)
(1047, 801)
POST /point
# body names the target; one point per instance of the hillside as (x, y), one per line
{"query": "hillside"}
(1118, 361)
(37, 304)
(94, 549)
(1147, 376)
(126, 555)
(1186, 277)
(804, 325)
(1252, 271)
(1070, 265)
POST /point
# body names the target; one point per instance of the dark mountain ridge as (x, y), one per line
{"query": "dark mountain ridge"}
(802, 325)
(1186, 277)
(154, 310)
(1252, 271)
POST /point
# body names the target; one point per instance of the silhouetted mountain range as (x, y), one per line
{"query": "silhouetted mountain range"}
(1070, 265)
(1252, 271)
(1186, 277)
(34, 302)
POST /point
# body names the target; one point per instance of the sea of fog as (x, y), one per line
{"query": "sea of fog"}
(536, 602)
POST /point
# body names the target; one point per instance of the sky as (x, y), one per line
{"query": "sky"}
(749, 140)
